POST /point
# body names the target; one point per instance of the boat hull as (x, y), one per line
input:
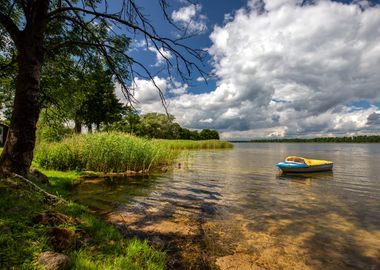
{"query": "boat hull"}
(316, 168)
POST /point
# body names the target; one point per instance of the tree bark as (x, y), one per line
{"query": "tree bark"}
(78, 125)
(17, 155)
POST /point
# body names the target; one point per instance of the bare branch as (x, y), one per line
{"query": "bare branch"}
(166, 42)
(131, 17)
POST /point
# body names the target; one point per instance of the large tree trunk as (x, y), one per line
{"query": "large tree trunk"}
(17, 155)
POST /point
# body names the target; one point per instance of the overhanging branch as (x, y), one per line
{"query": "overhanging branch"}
(10, 26)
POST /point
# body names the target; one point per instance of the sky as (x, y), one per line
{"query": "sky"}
(277, 68)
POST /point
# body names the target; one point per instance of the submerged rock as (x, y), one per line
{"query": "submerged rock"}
(54, 261)
(237, 262)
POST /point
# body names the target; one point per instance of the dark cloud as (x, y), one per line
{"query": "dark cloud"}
(374, 120)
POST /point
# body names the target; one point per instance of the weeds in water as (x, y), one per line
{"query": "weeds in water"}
(103, 152)
(114, 152)
(189, 144)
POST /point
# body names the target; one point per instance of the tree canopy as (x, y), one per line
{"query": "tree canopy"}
(159, 126)
(35, 31)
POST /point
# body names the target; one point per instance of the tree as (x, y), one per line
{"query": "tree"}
(158, 125)
(207, 134)
(39, 29)
(99, 104)
(129, 122)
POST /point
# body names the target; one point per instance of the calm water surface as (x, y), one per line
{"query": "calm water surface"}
(232, 209)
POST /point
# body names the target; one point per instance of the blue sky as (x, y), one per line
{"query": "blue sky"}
(215, 12)
(290, 71)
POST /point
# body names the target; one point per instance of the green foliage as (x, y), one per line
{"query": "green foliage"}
(207, 134)
(353, 139)
(82, 93)
(104, 152)
(61, 183)
(159, 126)
(21, 240)
(135, 255)
(50, 127)
(7, 85)
(100, 104)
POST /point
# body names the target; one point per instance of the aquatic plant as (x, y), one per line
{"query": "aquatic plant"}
(189, 144)
(114, 152)
(103, 152)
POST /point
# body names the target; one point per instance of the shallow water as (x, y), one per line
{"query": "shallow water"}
(232, 209)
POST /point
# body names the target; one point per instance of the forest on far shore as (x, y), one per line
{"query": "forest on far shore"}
(346, 139)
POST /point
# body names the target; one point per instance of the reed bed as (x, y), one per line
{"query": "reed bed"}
(189, 144)
(114, 152)
(103, 152)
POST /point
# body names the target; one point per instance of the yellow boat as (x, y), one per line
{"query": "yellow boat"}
(300, 164)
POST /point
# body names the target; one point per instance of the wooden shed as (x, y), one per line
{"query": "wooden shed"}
(3, 134)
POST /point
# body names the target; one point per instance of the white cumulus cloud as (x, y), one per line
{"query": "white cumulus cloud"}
(190, 18)
(289, 70)
(161, 55)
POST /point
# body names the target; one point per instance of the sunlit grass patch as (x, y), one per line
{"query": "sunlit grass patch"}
(22, 239)
(134, 254)
(109, 249)
(61, 183)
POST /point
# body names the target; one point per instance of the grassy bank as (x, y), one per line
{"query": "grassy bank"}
(27, 218)
(114, 152)
(92, 244)
(103, 152)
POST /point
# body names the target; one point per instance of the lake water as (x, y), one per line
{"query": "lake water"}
(232, 209)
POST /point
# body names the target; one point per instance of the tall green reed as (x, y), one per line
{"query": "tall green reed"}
(103, 152)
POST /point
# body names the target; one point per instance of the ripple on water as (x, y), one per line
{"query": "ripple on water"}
(232, 209)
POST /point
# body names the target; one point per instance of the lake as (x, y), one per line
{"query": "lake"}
(232, 209)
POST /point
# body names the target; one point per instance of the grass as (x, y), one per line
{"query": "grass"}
(136, 255)
(61, 183)
(21, 239)
(189, 144)
(114, 152)
(103, 152)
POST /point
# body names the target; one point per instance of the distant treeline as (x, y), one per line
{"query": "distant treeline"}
(352, 139)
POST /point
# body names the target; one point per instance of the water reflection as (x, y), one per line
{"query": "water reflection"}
(305, 178)
(233, 210)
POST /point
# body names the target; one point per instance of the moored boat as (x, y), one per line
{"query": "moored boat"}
(300, 164)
